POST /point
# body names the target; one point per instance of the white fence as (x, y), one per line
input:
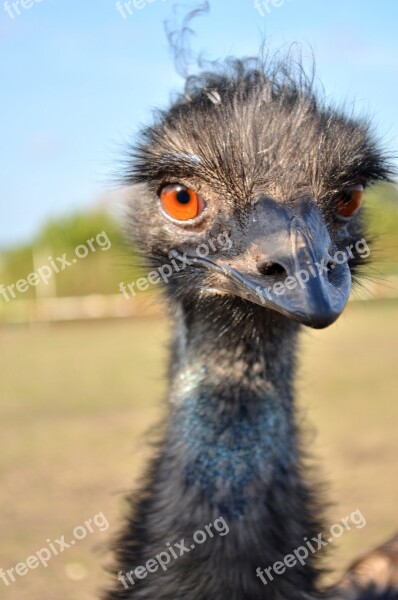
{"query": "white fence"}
(116, 306)
(74, 308)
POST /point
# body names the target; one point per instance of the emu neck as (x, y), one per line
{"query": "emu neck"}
(231, 452)
(232, 398)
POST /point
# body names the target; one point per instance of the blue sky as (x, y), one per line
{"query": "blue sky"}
(77, 80)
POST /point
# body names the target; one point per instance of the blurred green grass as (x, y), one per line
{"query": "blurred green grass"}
(78, 399)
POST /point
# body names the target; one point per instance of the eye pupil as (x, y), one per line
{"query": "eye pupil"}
(346, 197)
(183, 196)
(349, 201)
(180, 202)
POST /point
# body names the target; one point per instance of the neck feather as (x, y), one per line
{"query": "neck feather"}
(230, 451)
(231, 395)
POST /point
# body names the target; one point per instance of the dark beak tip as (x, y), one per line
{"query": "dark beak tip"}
(322, 315)
(319, 316)
(321, 323)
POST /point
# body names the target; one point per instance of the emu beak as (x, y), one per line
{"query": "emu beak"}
(287, 265)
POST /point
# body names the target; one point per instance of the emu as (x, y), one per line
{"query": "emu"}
(252, 158)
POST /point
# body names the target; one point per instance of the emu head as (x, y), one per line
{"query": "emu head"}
(250, 186)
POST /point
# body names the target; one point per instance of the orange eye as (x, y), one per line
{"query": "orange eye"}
(180, 202)
(350, 201)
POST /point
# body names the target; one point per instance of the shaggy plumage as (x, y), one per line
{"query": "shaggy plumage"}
(242, 132)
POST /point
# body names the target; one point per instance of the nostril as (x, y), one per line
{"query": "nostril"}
(331, 265)
(265, 267)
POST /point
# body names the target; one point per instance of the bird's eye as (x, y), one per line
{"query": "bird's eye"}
(180, 202)
(349, 201)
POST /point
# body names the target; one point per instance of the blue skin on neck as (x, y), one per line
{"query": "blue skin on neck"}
(231, 395)
(229, 444)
